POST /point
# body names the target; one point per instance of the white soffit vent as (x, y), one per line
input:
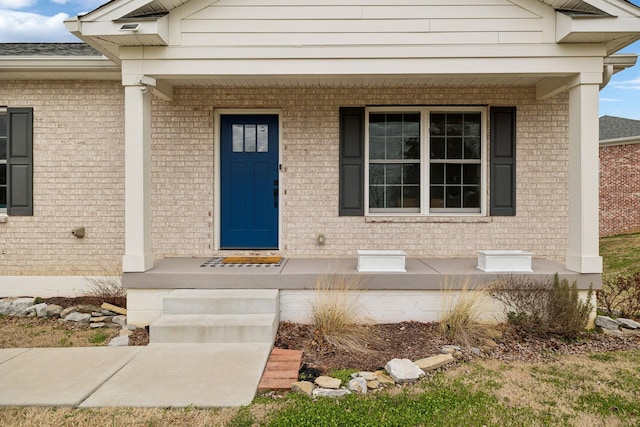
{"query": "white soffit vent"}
(130, 27)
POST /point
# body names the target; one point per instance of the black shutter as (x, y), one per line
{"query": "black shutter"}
(503, 161)
(351, 161)
(20, 161)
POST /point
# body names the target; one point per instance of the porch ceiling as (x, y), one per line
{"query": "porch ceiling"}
(357, 80)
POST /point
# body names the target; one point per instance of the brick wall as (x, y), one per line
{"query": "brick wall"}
(183, 158)
(79, 179)
(619, 189)
(78, 176)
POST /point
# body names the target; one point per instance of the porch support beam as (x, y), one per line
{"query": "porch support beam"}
(583, 249)
(137, 103)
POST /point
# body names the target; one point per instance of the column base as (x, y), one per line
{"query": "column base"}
(137, 263)
(584, 264)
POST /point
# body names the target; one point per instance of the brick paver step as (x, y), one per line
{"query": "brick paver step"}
(281, 369)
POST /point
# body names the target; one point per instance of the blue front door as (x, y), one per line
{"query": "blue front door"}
(249, 182)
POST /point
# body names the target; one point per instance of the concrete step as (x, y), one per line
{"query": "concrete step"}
(214, 328)
(221, 301)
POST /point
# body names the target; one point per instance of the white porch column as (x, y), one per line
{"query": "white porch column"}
(583, 252)
(137, 200)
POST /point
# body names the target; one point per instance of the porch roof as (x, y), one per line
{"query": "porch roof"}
(301, 274)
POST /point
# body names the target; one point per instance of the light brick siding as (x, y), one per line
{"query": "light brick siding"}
(183, 153)
(79, 179)
(619, 189)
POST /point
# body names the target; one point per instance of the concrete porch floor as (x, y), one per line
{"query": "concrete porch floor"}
(301, 273)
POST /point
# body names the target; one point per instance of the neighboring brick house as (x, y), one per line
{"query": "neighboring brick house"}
(202, 128)
(619, 175)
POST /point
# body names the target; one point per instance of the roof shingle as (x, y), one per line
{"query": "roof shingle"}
(618, 127)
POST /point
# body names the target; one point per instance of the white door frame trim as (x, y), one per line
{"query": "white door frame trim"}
(216, 166)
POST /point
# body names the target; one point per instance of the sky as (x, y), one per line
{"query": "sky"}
(42, 21)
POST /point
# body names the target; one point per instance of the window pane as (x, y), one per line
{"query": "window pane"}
(454, 124)
(393, 199)
(437, 196)
(472, 124)
(394, 148)
(3, 148)
(3, 197)
(412, 125)
(376, 197)
(376, 147)
(237, 145)
(454, 148)
(263, 138)
(454, 174)
(438, 125)
(453, 199)
(250, 138)
(3, 124)
(411, 197)
(3, 174)
(437, 148)
(471, 196)
(376, 125)
(411, 174)
(471, 174)
(394, 125)
(437, 173)
(376, 174)
(472, 148)
(394, 174)
(412, 148)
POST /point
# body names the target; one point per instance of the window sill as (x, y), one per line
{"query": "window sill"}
(427, 219)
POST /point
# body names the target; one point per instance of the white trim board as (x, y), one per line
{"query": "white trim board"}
(43, 286)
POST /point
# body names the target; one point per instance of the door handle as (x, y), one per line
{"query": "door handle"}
(275, 193)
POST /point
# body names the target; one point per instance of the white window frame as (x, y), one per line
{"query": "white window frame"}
(425, 112)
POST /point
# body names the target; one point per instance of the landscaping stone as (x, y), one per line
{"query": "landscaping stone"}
(100, 318)
(39, 310)
(628, 323)
(54, 310)
(114, 308)
(96, 325)
(64, 313)
(119, 320)
(606, 322)
(403, 370)
(384, 378)
(373, 384)
(369, 376)
(76, 316)
(359, 385)
(324, 381)
(15, 306)
(329, 392)
(119, 342)
(613, 332)
(124, 332)
(85, 308)
(435, 362)
(130, 327)
(304, 387)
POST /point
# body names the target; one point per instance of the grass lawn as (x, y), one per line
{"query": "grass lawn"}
(621, 254)
(597, 389)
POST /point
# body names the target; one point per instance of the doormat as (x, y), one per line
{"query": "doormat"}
(244, 261)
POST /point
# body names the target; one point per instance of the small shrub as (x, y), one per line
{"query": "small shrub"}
(336, 314)
(620, 294)
(525, 298)
(568, 313)
(542, 306)
(108, 287)
(460, 321)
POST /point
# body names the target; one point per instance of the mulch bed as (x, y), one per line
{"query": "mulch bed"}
(410, 340)
(415, 340)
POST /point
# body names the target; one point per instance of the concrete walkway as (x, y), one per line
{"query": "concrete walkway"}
(158, 375)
